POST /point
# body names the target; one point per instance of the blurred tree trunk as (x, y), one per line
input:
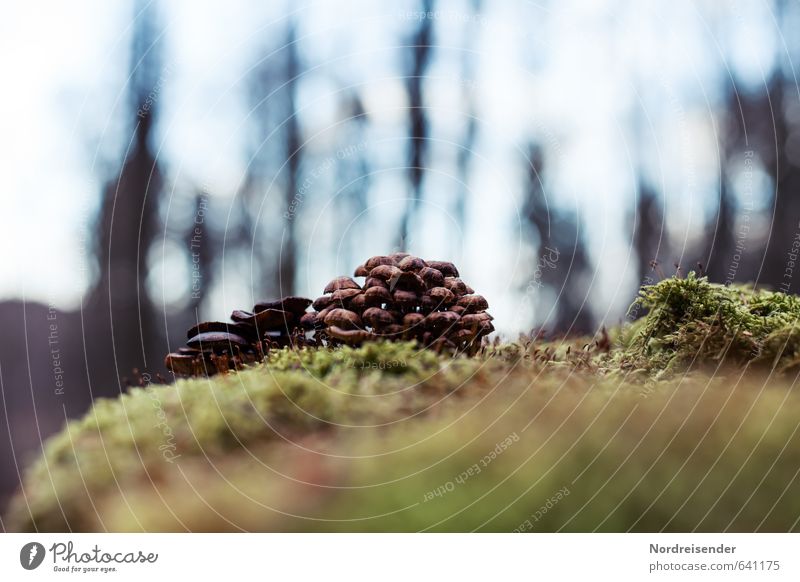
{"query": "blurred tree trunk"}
(417, 120)
(648, 233)
(287, 269)
(122, 324)
(563, 263)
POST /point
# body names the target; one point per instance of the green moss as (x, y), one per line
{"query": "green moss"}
(691, 321)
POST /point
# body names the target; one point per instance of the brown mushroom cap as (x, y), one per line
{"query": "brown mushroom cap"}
(342, 296)
(274, 319)
(243, 329)
(373, 262)
(405, 299)
(473, 303)
(241, 315)
(411, 320)
(408, 281)
(445, 268)
(217, 340)
(441, 319)
(456, 285)
(309, 320)
(361, 271)
(377, 317)
(184, 364)
(463, 335)
(187, 351)
(350, 336)
(343, 318)
(322, 302)
(358, 303)
(411, 263)
(341, 283)
(375, 282)
(385, 272)
(294, 304)
(475, 319)
(431, 277)
(399, 256)
(375, 296)
(441, 296)
(394, 329)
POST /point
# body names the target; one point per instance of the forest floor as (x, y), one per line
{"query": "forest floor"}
(686, 420)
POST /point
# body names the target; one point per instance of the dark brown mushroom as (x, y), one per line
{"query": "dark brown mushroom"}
(473, 303)
(241, 315)
(343, 296)
(385, 272)
(377, 317)
(411, 320)
(184, 365)
(343, 318)
(274, 319)
(394, 329)
(350, 336)
(361, 271)
(322, 302)
(408, 281)
(341, 283)
(374, 282)
(431, 277)
(376, 296)
(186, 351)
(441, 296)
(294, 304)
(456, 285)
(410, 263)
(373, 262)
(309, 320)
(441, 320)
(405, 299)
(241, 329)
(217, 340)
(445, 268)
(358, 303)
(475, 319)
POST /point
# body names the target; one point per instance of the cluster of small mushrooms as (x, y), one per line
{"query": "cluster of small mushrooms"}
(402, 298)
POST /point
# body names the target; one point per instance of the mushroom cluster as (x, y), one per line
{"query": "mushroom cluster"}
(403, 297)
(217, 346)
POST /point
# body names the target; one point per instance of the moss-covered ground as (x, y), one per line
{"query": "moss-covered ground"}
(685, 420)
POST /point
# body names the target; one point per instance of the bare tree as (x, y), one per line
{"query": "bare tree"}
(648, 231)
(123, 316)
(421, 46)
(566, 269)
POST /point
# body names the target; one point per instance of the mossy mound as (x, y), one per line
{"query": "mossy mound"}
(693, 322)
(529, 436)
